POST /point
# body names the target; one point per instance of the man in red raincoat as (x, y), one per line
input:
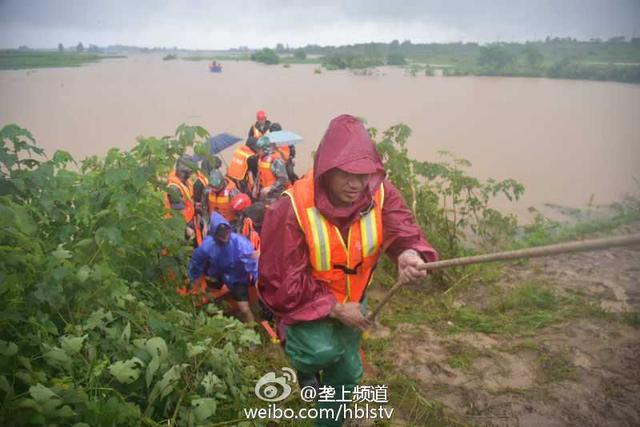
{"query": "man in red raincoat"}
(320, 245)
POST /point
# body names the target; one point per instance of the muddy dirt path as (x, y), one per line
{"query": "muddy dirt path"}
(582, 371)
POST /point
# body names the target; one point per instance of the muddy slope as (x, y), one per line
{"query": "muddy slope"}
(582, 371)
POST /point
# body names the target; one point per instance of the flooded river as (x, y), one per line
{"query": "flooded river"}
(564, 140)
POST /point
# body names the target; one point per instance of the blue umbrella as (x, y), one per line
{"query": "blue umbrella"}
(220, 142)
(284, 137)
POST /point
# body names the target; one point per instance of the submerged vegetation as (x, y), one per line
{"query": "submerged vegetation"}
(615, 59)
(93, 331)
(17, 60)
(266, 56)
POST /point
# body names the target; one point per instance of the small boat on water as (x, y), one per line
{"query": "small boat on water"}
(215, 67)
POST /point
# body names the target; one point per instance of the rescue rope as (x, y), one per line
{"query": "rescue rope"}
(540, 251)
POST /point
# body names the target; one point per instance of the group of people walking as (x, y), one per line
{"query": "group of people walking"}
(318, 238)
(223, 211)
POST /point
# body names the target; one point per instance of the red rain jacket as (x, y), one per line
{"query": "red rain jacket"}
(286, 284)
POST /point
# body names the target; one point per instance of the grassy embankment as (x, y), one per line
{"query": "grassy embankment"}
(14, 60)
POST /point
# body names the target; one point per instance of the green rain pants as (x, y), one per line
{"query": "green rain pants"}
(331, 348)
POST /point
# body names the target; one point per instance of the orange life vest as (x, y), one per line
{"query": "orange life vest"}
(221, 202)
(199, 176)
(250, 233)
(186, 191)
(284, 152)
(238, 167)
(267, 178)
(346, 269)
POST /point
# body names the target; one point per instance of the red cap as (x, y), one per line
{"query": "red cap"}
(240, 202)
(261, 115)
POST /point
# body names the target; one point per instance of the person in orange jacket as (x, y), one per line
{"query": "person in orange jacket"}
(179, 193)
(184, 192)
(272, 171)
(243, 167)
(220, 193)
(261, 127)
(288, 154)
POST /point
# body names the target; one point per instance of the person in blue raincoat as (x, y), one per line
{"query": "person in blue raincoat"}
(229, 258)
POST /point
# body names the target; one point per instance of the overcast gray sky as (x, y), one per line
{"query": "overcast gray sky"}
(211, 24)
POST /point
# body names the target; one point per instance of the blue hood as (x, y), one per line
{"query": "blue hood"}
(216, 221)
(233, 262)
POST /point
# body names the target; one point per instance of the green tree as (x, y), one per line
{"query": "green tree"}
(396, 58)
(300, 54)
(495, 57)
(533, 57)
(60, 48)
(80, 48)
(265, 56)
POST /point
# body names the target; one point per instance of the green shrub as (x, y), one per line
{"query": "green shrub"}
(396, 58)
(299, 54)
(266, 56)
(92, 328)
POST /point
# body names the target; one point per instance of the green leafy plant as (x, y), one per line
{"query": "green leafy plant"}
(93, 331)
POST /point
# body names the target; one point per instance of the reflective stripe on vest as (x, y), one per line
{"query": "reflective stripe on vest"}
(320, 234)
(369, 232)
(238, 166)
(346, 269)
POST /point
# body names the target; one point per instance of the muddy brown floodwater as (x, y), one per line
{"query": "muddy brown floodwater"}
(565, 140)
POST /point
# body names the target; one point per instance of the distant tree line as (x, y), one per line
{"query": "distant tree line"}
(616, 58)
(500, 59)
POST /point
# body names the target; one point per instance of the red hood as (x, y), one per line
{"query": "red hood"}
(346, 145)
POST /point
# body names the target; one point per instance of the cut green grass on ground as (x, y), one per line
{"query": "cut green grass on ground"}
(515, 312)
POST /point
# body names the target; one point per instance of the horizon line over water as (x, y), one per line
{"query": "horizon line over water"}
(564, 140)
